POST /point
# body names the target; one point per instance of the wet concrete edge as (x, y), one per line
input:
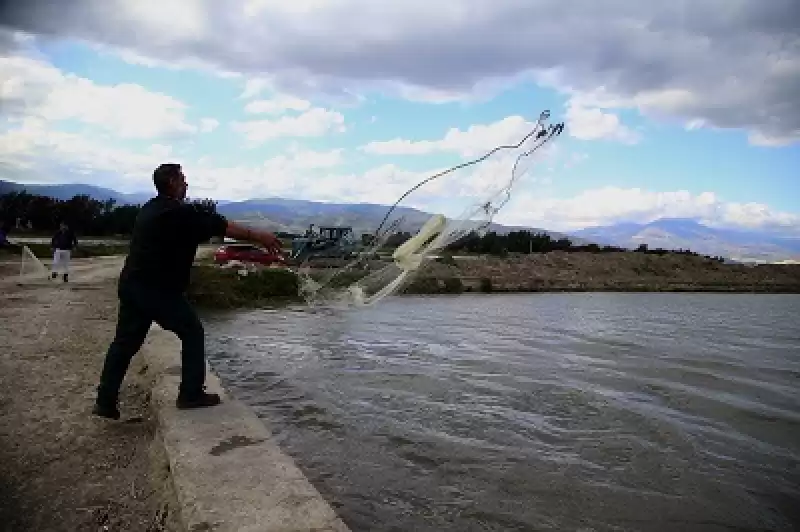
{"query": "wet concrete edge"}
(227, 471)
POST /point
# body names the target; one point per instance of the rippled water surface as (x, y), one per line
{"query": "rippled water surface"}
(562, 412)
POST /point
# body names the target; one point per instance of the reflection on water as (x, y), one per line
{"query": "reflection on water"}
(590, 412)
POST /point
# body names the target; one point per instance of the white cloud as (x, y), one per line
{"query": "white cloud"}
(253, 87)
(133, 57)
(254, 8)
(278, 105)
(382, 184)
(427, 95)
(315, 122)
(168, 21)
(32, 88)
(736, 70)
(34, 152)
(207, 125)
(759, 216)
(306, 175)
(475, 140)
(608, 205)
(773, 141)
(574, 159)
(160, 150)
(302, 159)
(591, 123)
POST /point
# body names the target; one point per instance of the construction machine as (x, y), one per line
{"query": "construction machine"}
(331, 242)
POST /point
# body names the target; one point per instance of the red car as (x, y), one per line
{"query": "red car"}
(247, 253)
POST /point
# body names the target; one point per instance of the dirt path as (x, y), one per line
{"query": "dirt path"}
(61, 469)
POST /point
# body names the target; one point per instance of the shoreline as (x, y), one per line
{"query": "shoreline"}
(157, 468)
(793, 290)
(553, 272)
(226, 471)
(624, 272)
(61, 467)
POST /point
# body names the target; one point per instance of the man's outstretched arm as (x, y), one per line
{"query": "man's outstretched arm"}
(240, 232)
(205, 225)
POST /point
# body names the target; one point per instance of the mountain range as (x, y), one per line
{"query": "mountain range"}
(686, 233)
(70, 190)
(275, 214)
(294, 216)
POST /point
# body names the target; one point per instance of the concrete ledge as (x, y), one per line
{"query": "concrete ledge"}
(228, 473)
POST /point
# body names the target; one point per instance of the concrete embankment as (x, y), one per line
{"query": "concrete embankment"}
(215, 469)
(228, 474)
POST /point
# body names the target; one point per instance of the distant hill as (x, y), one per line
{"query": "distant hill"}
(684, 233)
(294, 216)
(275, 214)
(67, 191)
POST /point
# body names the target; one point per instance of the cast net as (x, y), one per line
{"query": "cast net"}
(465, 197)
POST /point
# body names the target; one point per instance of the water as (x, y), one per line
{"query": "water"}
(562, 412)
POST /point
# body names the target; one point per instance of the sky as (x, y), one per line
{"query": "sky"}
(671, 109)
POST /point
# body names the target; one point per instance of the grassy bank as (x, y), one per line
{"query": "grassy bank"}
(217, 288)
(421, 283)
(623, 272)
(213, 287)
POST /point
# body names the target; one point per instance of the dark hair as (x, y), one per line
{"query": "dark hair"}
(164, 174)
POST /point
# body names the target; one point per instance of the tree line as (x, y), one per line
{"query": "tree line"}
(89, 216)
(84, 214)
(524, 242)
(493, 243)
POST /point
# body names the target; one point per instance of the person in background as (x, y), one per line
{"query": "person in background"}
(4, 243)
(63, 242)
(153, 283)
(5, 229)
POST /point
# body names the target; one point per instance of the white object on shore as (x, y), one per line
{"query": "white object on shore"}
(30, 267)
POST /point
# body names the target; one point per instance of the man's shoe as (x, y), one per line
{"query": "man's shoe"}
(110, 412)
(197, 401)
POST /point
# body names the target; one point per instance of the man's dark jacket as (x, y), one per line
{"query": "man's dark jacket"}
(64, 240)
(164, 242)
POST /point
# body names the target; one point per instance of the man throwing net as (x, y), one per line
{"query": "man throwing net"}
(152, 286)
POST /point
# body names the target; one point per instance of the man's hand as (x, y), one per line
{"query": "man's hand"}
(267, 239)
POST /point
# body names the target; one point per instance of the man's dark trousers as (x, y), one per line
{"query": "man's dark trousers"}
(140, 305)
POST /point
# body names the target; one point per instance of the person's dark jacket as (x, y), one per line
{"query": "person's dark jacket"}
(65, 240)
(166, 235)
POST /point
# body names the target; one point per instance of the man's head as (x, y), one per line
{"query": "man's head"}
(169, 181)
(63, 226)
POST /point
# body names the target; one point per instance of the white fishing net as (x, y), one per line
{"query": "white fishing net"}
(466, 197)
